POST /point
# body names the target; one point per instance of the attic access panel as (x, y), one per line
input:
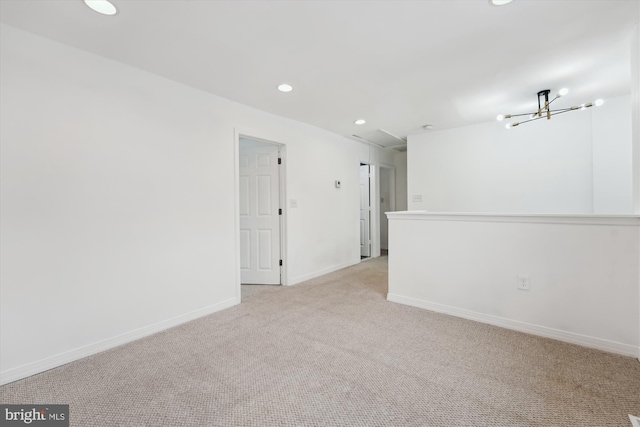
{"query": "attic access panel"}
(383, 138)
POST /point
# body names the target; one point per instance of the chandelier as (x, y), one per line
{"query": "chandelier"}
(544, 108)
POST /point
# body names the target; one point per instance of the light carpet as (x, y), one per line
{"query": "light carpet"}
(334, 352)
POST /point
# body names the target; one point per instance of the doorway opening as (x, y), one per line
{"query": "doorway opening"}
(365, 211)
(261, 225)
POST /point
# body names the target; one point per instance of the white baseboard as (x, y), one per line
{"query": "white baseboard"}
(322, 272)
(543, 331)
(14, 374)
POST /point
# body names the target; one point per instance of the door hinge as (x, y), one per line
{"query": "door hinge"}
(279, 160)
(279, 211)
(280, 262)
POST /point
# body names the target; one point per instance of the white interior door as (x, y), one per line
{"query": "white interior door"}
(365, 212)
(259, 213)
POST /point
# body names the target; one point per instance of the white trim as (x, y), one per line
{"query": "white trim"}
(236, 218)
(372, 208)
(543, 331)
(284, 277)
(51, 362)
(305, 277)
(621, 220)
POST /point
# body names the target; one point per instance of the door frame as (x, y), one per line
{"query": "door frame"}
(238, 133)
(371, 221)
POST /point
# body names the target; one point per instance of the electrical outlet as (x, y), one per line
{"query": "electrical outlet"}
(417, 197)
(524, 283)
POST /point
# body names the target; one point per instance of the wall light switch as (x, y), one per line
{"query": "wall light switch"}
(293, 203)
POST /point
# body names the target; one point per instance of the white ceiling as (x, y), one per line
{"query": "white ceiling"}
(397, 64)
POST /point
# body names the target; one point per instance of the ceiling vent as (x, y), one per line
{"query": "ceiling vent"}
(384, 139)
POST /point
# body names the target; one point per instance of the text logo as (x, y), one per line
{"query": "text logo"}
(34, 415)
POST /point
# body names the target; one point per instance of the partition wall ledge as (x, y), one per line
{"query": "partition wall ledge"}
(578, 219)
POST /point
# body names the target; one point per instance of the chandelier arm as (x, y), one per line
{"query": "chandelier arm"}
(532, 120)
(523, 114)
(553, 99)
(536, 113)
(566, 111)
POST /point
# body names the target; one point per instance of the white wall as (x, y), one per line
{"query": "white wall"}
(385, 205)
(612, 159)
(575, 163)
(635, 112)
(583, 272)
(635, 118)
(400, 163)
(119, 206)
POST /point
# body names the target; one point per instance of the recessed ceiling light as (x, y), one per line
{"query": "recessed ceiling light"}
(285, 88)
(427, 127)
(102, 6)
(598, 102)
(500, 2)
(360, 121)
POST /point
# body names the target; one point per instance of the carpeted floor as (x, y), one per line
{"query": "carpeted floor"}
(334, 352)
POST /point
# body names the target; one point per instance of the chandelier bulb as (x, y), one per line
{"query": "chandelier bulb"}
(563, 92)
(598, 102)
